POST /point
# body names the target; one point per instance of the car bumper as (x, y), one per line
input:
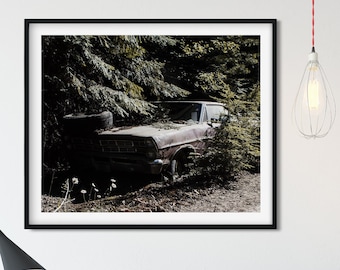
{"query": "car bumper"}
(115, 164)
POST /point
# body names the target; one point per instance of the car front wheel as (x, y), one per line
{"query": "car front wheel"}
(179, 166)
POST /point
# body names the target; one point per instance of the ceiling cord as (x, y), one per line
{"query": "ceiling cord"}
(313, 29)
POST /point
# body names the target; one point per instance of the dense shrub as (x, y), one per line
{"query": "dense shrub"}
(236, 145)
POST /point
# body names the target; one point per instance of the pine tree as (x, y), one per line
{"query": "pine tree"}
(91, 74)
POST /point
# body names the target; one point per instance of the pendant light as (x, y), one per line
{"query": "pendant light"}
(314, 109)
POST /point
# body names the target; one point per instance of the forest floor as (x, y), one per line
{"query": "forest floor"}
(241, 195)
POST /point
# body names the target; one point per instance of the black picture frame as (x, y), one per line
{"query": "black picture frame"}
(266, 218)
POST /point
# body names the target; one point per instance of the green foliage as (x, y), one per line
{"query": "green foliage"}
(206, 65)
(236, 145)
(123, 74)
(118, 64)
(226, 69)
(95, 73)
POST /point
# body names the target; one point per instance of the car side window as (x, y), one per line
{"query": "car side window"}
(215, 113)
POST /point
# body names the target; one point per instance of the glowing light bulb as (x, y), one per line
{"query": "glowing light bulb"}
(314, 108)
(313, 95)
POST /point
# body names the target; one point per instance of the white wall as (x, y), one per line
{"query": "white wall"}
(308, 236)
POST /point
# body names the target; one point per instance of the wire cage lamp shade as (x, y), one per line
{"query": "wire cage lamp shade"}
(314, 108)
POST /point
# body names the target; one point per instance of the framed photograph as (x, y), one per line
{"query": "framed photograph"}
(150, 124)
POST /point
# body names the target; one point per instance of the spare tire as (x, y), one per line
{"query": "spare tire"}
(81, 123)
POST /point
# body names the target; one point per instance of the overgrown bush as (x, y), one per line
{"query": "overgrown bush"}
(236, 145)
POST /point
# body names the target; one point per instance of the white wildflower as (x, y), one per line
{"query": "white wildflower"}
(75, 180)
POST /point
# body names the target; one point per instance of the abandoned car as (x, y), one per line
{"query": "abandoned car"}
(157, 148)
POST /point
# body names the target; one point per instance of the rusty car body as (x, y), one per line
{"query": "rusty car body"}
(153, 149)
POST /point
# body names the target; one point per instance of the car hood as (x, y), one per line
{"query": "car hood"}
(164, 134)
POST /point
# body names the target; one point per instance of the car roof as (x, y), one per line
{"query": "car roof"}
(190, 101)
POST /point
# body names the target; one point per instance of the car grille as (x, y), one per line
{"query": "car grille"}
(109, 145)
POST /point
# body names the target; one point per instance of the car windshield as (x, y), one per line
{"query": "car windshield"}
(181, 111)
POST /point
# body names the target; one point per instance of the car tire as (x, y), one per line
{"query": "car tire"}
(178, 165)
(85, 123)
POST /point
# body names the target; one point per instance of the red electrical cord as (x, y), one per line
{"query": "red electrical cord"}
(313, 23)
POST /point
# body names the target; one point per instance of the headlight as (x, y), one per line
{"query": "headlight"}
(151, 154)
(149, 143)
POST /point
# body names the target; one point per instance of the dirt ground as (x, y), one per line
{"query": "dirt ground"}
(241, 195)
